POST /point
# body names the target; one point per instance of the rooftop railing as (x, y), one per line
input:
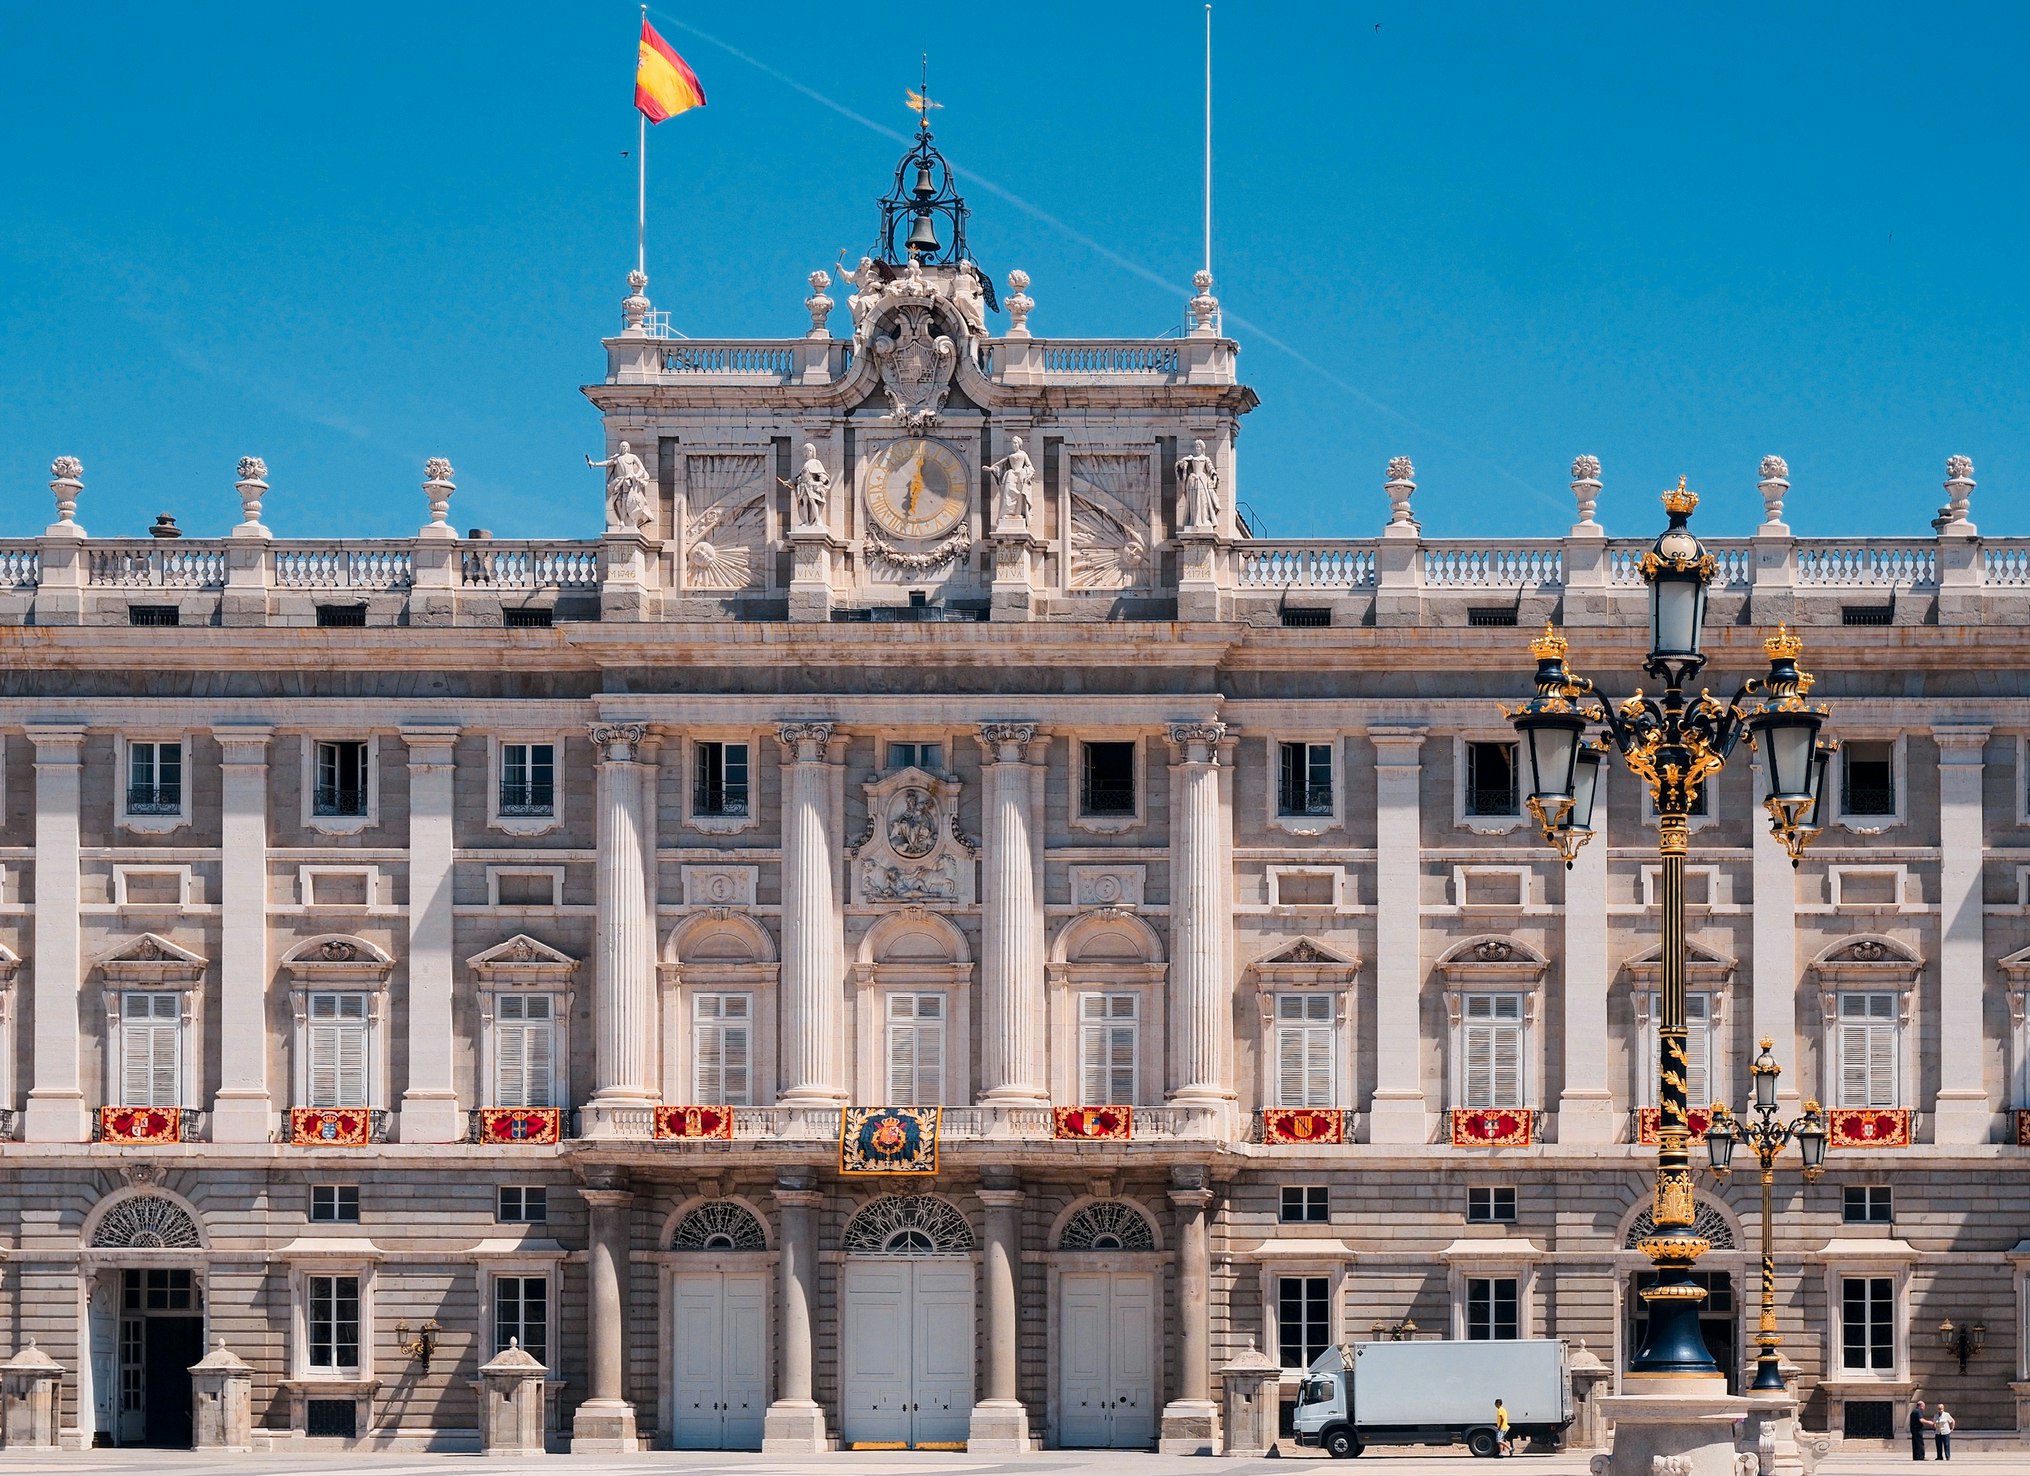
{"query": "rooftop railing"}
(372, 566)
(147, 563)
(492, 565)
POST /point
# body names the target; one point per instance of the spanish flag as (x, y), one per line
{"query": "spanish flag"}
(663, 85)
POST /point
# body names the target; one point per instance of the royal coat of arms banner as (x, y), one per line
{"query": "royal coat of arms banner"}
(499, 1125)
(694, 1122)
(1095, 1123)
(140, 1125)
(1491, 1127)
(1306, 1125)
(888, 1140)
(330, 1127)
(2022, 1128)
(1649, 1122)
(1869, 1127)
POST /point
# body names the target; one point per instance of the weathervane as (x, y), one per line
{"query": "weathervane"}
(919, 99)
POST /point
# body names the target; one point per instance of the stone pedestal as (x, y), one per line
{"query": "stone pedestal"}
(1771, 1432)
(1198, 574)
(1013, 594)
(623, 574)
(28, 1389)
(1250, 1386)
(221, 1401)
(810, 579)
(1592, 1381)
(511, 1403)
(1673, 1434)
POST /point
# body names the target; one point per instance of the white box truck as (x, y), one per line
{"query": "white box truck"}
(1433, 1393)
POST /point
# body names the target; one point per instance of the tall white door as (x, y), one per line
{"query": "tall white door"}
(1107, 1359)
(718, 1355)
(907, 1374)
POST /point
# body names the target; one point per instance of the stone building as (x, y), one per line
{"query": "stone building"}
(411, 946)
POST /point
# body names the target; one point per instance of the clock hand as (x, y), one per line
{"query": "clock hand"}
(915, 487)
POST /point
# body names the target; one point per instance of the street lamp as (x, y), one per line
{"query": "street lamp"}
(1964, 1341)
(1673, 743)
(1765, 1137)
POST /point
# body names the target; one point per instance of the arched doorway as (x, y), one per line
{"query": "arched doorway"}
(1719, 1314)
(145, 1312)
(906, 1374)
(718, 1311)
(1107, 1312)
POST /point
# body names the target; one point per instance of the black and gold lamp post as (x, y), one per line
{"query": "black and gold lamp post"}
(1673, 742)
(1765, 1137)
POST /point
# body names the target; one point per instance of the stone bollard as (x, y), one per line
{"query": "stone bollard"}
(1590, 1379)
(221, 1402)
(28, 1386)
(511, 1404)
(1251, 1385)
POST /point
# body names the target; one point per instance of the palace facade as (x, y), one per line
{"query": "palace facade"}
(412, 946)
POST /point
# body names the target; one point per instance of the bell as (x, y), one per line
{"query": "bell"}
(922, 236)
(924, 188)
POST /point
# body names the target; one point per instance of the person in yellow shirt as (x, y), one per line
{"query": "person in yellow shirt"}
(1502, 1444)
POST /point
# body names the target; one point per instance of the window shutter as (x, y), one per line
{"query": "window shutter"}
(1698, 1050)
(708, 1082)
(1507, 1066)
(511, 1064)
(901, 1063)
(1290, 1063)
(1853, 1063)
(541, 1055)
(351, 1064)
(1881, 1065)
(165, 1040)
(1121, 1063)
(323, 1050)
(734, 1063)
(1092, 1041)
(930, 1041)
(1479, 1060)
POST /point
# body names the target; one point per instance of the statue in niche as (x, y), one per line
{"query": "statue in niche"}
(1200, 480)
(811, 489)
(912, 830)
(968, 299)
(628, 509)
(1016, 474)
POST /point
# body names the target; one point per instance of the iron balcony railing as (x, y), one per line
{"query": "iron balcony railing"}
(1107, 799)
(719, 801)
(338, 799)
(523, 799)
(154, 799)
(1305, 799)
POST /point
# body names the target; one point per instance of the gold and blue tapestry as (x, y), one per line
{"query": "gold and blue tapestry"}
(888, 1140)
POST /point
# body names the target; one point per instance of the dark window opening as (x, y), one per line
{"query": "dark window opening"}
(342, 615)
(1302, 619)
(335, 1203)
(522, 1204)
(1490, 1204)
(1490, 779)
(528, 779)
(154, 615)
(719, 780)
(1493, 1309)
(1305, 779)
(529, 619)
(331, 1417)
(1107, 786)
(1867, 614)
(1303, 1318)
(1867, 779)
(1305, 1204)
(1866, 1204)
(1481, 615)
(154, 778)
(341, 779)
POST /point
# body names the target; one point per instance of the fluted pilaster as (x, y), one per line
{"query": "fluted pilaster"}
(811, 991)
(1201, 1013)
(624, 992)
(1011, 972)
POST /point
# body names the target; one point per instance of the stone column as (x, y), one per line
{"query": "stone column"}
(1399, 1114)
(1191, 1420)
(1586, 1104)
(623, 979)
(56, 1101)
(1201, 1008)
(795, 1423)
(604, 1423)
(1963, 1114)
(811, 987)
(1000, 1424)
(430, 1103)
(1773, 953)
(1011, 970)
(243, 1111)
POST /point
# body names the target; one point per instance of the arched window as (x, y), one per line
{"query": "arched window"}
(1108, 1225)
(908, 1225)
(146, 1222)
(1707, 1222)
(719, 1225)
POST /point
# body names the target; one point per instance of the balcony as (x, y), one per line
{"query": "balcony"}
(337, 799)
(1296, 800)
(155, 799)
(527, 801)
(974, 1124)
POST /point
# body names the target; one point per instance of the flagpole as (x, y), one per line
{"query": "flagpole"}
(1208, 139)
(641, 182)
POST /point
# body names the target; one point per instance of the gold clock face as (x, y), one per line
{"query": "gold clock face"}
(916, 489)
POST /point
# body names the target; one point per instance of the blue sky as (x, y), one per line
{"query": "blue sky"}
(348, 238)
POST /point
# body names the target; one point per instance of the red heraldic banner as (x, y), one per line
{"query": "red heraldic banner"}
(521, 1124)
(2022, 1128)
(1303, 1125)
(140, 1124)
(694, 1122)
(1491, 1127)
(888, 1140)
(330, 1127)
(1102, 1124)
(1649, 1122)
(1869, 1127)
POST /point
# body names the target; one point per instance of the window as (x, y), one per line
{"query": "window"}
(1107, 1031)
(1107, 783)
(915, 754)
(341, 779)
(1868, 1324)
(531, 617)
(719, 779)
(337, 1048)
(151, 1050)
(722, 1043)
(1490, 779)
(334, 1204)
(1305, 783)
(154, 615)
(1492, 1308)
(1303, 617)
(528, 779)
(1303, 1318)
(1305, 1204)
(1305, 1050)
(1866, 1204)
(334, 1322)
(1490, 1204)
(1867, 778)
(521, 1311)
(342, 616)
(1867, 1050)
(1699, 1085)
(154, 778)
(916, 1049)
(522, 1204)
(158, 1289)
(524, 1051)
(1491, 1051)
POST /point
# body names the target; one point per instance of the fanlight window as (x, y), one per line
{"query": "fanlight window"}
(1109, 1225)
(720, 1225)
(1708, 1223)
(146, 1222)
(909, 1225)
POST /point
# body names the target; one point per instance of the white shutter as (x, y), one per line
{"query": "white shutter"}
(1108, 1047)
(1698, 1050)
(735, 1062)
(511, 1064)
(1853, 1063)
(915, 1049)
(1881, 1065)
(151, 1041)
(1491, 1045)
(1304, 1050)
(1092, 1050)
(337, 1048)
(901, 1051)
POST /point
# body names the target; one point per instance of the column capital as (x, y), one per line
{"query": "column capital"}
(52, 739)
(430, 746)
(807, 739)
(809, 1199)
(1199, 742)
(607, 1198)
(1396, 743)
(1003, 1199)
(1960, 743)
(1008, 742)
(244, 743)
(617, 741)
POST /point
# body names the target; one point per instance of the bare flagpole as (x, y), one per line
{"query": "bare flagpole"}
(641, 182)
(1208, 138)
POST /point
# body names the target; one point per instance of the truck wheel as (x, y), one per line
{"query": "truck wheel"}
(1340, 1444)
(1482, 1442)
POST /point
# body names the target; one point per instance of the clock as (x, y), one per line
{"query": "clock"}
(917, 489)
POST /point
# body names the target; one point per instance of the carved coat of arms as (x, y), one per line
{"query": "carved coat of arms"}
(912, 850)
(916, 366)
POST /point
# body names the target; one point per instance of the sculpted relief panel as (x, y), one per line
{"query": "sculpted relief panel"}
(726, 523)
(913, 850)
(1110, 497)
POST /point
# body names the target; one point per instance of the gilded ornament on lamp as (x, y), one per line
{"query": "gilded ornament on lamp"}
(1550, 646)
(1785, 645)
(1680, 499)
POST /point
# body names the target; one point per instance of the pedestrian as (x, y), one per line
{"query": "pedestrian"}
(1502, 1444)
(1944, 1424)
(1918, 1424)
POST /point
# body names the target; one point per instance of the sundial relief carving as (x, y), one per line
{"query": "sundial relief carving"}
(1110, 499)
(726, 519)
(912, 851)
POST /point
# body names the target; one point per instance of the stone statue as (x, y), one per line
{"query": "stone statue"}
(869, 282)
(628, 509)
(1199, 479)
(1016, 474)
(969, 301)
(912, 831)
(810, 491)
